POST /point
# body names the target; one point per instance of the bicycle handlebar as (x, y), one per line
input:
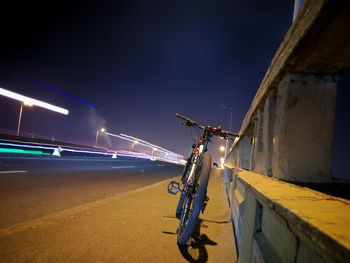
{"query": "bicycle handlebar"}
(189, 122)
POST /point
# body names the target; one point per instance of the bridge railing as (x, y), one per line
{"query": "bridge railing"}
(287, 134)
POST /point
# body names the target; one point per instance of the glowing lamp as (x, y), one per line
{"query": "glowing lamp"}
(32, 102)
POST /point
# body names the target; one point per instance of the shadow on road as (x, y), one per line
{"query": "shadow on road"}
(194, 250)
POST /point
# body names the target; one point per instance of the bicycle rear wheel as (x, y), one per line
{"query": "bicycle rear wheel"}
(193, 204)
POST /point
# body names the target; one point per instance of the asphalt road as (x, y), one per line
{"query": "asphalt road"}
(104, 210)
(32, 187)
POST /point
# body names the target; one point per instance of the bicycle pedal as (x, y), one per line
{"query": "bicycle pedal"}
(173, 188)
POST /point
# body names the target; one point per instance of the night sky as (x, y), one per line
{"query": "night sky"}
(131, 65)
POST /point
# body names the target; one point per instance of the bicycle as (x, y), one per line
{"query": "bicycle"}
(195, 177)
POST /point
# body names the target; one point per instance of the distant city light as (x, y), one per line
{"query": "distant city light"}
(32, 102)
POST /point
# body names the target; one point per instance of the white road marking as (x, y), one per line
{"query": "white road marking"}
(13, 172)
(123, 167)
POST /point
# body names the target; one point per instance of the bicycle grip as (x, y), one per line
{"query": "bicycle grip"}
(181, 117)
(188, 121)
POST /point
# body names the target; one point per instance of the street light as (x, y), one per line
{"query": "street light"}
(153, 150)
(20, 115)
(222, 161)
(97, 133)
(222, 148)
(35, 102)
(134, 142)
(231, 113)
(27, 101)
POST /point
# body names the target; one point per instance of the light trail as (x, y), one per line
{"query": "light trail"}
(12, 172)
(150, 145)
(46, 85)
(21, 151)
(180, 158)
(124, 167)
(53, 147)
(127, 139)
(31, 101)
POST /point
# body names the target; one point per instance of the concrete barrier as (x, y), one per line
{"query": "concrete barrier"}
(277, 221)
(286, 139)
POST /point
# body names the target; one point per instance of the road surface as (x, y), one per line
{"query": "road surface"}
(103, 210)
(32, 187)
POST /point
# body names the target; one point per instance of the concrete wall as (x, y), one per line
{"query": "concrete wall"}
(287, 134)
(266, 231)
(241, 155)
(292, 135)
(303, 130)
(257, 161)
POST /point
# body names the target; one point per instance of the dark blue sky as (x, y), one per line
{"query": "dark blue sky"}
(139, 62)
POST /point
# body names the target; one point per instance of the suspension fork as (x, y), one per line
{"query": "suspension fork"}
(201, 150)
(188, 164)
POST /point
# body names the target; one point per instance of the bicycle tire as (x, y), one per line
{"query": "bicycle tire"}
(189, 217)
(179, 206)
(183, 179)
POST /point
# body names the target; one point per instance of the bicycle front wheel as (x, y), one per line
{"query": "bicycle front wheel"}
(180, 205)
(183, 179)
(193, 201)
